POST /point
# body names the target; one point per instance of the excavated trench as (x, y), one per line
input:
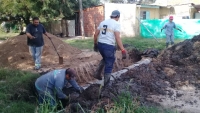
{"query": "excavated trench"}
(171, 80)
(85, 72)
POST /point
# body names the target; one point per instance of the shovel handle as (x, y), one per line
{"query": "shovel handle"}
(54, 47)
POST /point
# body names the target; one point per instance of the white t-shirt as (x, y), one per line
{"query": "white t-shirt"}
(107, 29)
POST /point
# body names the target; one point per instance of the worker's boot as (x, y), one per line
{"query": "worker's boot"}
(172, 43)
(167, 44)
(107, 79)
(99, 69)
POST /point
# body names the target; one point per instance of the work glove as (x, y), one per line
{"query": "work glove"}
(96, 48)
(123, 54)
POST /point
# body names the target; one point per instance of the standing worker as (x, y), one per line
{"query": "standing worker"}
(169, 26)
(52, 83)
(107, 34)
(35, 40)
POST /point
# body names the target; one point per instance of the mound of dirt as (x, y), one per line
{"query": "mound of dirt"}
(181, 62)
(171, 80)
(14, 53)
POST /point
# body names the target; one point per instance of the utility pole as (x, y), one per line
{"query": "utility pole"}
(81, 19)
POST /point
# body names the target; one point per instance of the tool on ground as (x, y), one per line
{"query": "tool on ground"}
(60, 58)
(147, 29)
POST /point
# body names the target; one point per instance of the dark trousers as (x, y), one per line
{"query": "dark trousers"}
(108, 54)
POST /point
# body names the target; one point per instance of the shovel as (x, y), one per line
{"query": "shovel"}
(60, 58)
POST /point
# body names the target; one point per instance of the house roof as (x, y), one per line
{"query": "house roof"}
(147, 6)
(196, 6)
(175, 2)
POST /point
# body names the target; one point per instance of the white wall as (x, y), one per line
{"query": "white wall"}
(71, 27)
(127, 17)
(181, 11)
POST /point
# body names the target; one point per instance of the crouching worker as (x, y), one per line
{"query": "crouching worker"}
(51, 84)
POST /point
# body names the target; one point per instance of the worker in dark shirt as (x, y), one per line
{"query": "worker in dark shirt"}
(35, 41)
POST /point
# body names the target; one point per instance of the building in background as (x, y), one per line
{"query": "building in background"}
(129, 12)
(94, 15)
(180, 9)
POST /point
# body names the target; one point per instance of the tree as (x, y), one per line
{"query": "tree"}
(146, 1)
(90, 3)
(81, 19)
(20, 9)
(46, 9)
(132, 1)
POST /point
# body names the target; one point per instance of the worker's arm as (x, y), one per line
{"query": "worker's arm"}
(75, 85)
(163, 27)
(119, 41)
(95, 39)
(59, 84)
(30, 36)
(28, 30)
(96, 36)
(177, 28)
(117, 37)
(44, 32)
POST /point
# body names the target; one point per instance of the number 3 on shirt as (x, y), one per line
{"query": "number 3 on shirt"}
(104, 29)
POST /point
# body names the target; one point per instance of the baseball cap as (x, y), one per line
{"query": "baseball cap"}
(115, 13)
(171, 17)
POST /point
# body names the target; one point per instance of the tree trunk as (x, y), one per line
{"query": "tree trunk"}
(81, 19)
(66, 25)
(26, 20)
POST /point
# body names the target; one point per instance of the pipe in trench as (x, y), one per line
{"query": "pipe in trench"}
(119, 73)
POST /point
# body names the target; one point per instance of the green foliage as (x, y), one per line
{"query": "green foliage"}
(47, 10)
(16, 88)
(17, 93)
(47, 108)
(90, 3)
(20, 9)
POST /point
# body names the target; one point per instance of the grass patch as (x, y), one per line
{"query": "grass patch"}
(4, 36)
(138, 42)
(15, 83)
(126, 104)
(81, 44)
(18, 107)
(16, 91)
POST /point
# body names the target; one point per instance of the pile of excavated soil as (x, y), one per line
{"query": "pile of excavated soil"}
(14, 53)
(171, 81)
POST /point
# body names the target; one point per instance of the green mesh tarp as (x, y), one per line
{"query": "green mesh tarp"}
(189, 27)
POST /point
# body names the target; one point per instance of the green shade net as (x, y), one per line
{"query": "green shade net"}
(189, 27)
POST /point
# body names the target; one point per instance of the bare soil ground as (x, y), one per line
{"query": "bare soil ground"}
(14, 53)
